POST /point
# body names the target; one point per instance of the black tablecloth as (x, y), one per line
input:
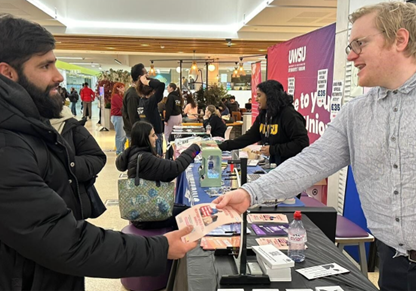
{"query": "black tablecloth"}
(201, 270)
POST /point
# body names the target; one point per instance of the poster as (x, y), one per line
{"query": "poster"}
(255, 81)
(308, 60)
(337, 93)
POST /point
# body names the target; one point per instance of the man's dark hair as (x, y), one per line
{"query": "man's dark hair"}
(21, 39)
(232, 97)
(137, 71)
(277, 98)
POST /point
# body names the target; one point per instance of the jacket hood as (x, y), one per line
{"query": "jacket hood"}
(59, 123)
(19, 112)
(129, 153)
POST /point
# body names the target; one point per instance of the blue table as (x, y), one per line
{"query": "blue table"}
(189, 188)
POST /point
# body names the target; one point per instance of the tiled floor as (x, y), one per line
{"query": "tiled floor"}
(107, 187)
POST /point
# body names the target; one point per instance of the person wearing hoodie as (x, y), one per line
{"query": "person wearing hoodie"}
(86, 154)
(45, 242)
(173, 109)
(279, 127)
(152, 167)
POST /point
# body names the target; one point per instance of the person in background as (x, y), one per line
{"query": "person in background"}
(131, 101)
(223, 109)
(185, 84)
(375, 134)
(87, 97)
(161, 106)
(45, 242)
(73, 97)
(174, 105)
(151, 93)
(64, 93)
(153, 167)
(191, 83)
(191, 109)
(87, 156)
(279, 127)
(233, 105)
(116, 116)
(213, 118)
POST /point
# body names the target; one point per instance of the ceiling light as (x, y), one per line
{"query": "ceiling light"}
(69, 58)
(235, 72)
(117, 61)
(194, 67)
(241, 71)
(144, 44)
(152, 71)
(211, 67)
(178, 69)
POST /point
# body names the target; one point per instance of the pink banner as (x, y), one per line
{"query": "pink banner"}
(255, 80)
(304, 65)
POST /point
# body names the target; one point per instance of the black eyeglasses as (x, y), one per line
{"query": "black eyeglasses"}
(357, 45)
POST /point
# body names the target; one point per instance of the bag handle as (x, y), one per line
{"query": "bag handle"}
(137, 179)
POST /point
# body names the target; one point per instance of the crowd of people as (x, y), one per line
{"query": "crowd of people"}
(49, 161)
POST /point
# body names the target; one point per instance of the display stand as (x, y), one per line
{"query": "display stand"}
(242, 278)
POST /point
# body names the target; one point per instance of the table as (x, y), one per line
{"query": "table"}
(190, 192)
(236, 132)
(201, 270)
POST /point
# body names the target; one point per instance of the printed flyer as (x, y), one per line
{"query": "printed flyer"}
(205, 218)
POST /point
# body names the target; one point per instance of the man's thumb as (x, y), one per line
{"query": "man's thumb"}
(186, 230)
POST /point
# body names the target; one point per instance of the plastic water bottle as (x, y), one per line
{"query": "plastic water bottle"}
(208, 129)
(297, 238)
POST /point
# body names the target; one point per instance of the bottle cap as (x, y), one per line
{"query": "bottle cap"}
(297, 215)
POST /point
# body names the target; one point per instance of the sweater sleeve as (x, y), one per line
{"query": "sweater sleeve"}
(170, 103)
(250, 137)
(156, 169)
(293, 124)
(159, 87)
(89, 158)
(42, 229)
(132, 104)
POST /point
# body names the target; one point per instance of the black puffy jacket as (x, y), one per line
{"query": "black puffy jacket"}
(44, 242)
(152, 167)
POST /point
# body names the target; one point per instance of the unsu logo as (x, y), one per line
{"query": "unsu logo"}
(297, 55)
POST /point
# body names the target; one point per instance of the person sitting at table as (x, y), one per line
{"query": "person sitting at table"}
(191, 109)
(152, 167)
(212, 117)
(279, 127)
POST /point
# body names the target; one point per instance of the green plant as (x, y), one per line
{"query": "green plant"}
(107, 80)
(210, 96)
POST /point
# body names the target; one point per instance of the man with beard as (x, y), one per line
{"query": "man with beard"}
(151, 93)
(45, 243)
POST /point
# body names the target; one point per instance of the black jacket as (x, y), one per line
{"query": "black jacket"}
(148, 106)
(44, 242)
(287, 135)
(89, 159)
(173, 105)
(73, 96)
(129, 109)
(218, 127)
(152, 167)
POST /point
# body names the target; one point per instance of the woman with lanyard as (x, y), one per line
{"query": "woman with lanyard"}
(279, 127)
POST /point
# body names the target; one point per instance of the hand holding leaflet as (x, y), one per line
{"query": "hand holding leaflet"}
(205, 218)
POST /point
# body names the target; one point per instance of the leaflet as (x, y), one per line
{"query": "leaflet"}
(270, 229)
(215, 243)
(205, 218)
(322, 271)
(267, 217)
(228, 230)
(279, 242)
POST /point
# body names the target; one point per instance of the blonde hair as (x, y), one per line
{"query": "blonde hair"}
(391, 16)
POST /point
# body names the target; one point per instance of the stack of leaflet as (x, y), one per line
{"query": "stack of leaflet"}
(274, 263)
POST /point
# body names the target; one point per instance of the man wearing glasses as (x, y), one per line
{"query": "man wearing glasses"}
(375, 134)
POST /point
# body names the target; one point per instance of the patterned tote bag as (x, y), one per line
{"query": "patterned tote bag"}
(143, 200)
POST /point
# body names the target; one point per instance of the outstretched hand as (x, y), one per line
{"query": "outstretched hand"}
(238, 199)
(178, 248)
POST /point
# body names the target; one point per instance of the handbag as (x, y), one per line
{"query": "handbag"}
(143, 200)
